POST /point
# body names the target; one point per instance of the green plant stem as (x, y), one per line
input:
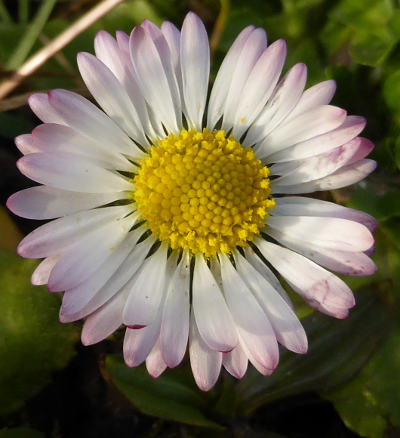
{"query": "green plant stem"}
(23, 11)
(4, 14)
(29, 38)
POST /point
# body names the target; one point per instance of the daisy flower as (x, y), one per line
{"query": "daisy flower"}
(168, 206)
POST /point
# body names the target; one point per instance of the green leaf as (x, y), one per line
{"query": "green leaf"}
(173, 396)
(371, 48)
(337, 350)
(391, 91)
(10, 235)
(382, 203)
(33, 343)
(370, 403)
(20, 432)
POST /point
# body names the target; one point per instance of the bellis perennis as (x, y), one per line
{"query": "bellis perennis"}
(170, 214)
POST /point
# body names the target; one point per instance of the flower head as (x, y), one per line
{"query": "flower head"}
(169, 214)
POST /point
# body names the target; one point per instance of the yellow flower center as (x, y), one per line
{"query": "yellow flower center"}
(203, 192)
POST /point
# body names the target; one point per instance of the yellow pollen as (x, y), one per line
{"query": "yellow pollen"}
(203, 192)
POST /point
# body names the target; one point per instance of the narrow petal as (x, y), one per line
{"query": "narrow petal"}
(222, 82)
(138, 343)
(81, 261)
(154, 362)
(319, 94)
(152, 79)
(268, 275)
(41, 274)
(213, 317)
(147, 290)
(288, 329)
(320, 288)
(76, 298)
(283, 100)
(259, 86)
(300, 206)
(110, 95)
(252, 323)
(195, 67)
(118, 280)
(53, 138)
(327, 232)
(348, 130)
(249, 55)
(205, 363)
(308, 125)
(86, 118)
(118, 60)
(26, 144)
(175, 319)
(69, 172)
(343, 262)
(39, 103)
(55, 237)
(343, 177)
(102, 323)
(235, 362)
(309, 169)
(43, 202)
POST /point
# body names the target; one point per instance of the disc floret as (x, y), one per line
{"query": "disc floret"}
(203, 192)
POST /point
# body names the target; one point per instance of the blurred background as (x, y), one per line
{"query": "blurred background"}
(348, 385)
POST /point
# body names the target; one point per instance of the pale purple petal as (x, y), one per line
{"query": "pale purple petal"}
(212, 315)
(205, 363)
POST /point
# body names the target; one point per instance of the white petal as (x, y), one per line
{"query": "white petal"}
(138, 343)
(152, 79)
(76, 298)
(167, 62)
(110, 95)
(119, 62)
(279, 106)
(259, 86)
(117, 281)
(343, 177)
(173, 38)
(42, 202)
(318, 287)
(327, 232)
(213, 318)
(26, 144)
(39, 103)
(85, 257)
(287, 327)
(235, 362)
(70, 172)
(154, 362)
(309, 169)
(343, 262)
(86, 118)
(147, 290)
(349, 129)
(205, 363)
(222, 82)
(102, 323)
(53, 138)
(195, 66)
(319, 94)
(175, 320)
(249, 55)
(252, 324)
(268, 275)
(56, 236)
(299, 206)
(41, 274)
(308, 125)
